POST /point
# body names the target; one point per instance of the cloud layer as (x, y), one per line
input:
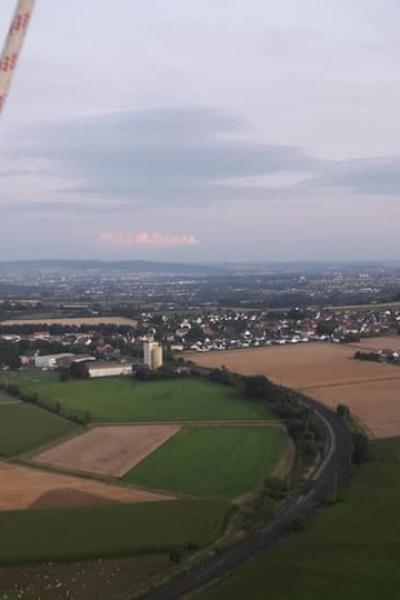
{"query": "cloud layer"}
(183, 156)
(267, 131)
(147, 240)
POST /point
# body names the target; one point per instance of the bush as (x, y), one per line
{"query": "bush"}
(257, 387)
(360, 448)
(275, 488)
(299, 523)
(343, 410)
(13, 390)
(222, 376)
(176, 556)
(79, 370)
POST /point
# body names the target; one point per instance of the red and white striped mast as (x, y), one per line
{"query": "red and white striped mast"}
(13, 46)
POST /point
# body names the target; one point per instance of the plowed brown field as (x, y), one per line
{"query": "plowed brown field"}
(110, 451)
(24, 487)
(328, 373)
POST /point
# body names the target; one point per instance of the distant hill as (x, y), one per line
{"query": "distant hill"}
(164, 269)
(129, 266)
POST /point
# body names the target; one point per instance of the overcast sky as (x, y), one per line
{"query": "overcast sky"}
(204, 130)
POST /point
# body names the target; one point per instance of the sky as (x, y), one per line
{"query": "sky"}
(240, 130)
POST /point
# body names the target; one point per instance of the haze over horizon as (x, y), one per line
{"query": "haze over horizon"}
(187, 132)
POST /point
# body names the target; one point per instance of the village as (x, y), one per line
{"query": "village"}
(113, 347)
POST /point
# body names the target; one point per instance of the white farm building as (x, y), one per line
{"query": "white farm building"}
(109, 369)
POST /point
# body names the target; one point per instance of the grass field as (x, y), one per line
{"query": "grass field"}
(110, 531)
(124, 400)
(352, 551)
(223, 462)
(24, 427)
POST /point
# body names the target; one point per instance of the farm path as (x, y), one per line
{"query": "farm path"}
(222, 423)
(9, 402)
(347, 383)
(286, 462)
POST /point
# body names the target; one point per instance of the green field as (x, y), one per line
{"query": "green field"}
(123, 399)
(24, 427)
(352, 551)
(108, 531)
(222, 461)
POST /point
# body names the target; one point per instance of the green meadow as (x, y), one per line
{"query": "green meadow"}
(124, 400)
(218, 461)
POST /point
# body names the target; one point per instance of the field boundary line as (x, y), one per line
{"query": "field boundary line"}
(85, 475)
(10, 402)
(29, 454)
(192, 424)
(347, 383)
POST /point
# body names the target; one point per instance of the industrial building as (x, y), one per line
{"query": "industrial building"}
(108, 369)
(54, 361)
(153, 354)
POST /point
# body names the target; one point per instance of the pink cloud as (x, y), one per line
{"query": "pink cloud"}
(147, 240)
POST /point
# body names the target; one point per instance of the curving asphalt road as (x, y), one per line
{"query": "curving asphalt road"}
(335, 470)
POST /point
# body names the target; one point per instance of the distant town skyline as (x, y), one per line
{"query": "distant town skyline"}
(187, 131)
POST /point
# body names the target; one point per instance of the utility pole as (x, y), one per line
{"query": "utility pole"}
(13, 46)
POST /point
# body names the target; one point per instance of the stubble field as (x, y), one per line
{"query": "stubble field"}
(381, 343)
(328, 373)
(25, 487)
(108, 451)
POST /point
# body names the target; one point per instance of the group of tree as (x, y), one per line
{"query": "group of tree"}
(77, 416)
(303, 425)
(9, 355)
(368, 356)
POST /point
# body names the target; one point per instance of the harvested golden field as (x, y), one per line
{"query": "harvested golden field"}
(24, 487)
(301, 365)
(376, 404)
(380, 343)
(109, 451)
(72, 321)
(326, 372)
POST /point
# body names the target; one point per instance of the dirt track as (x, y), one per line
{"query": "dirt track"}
(110, 451)
(328, 373)
(24, 487)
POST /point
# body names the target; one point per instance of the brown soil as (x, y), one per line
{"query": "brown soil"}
(109, 451)
(329, 373)
(24, 487)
